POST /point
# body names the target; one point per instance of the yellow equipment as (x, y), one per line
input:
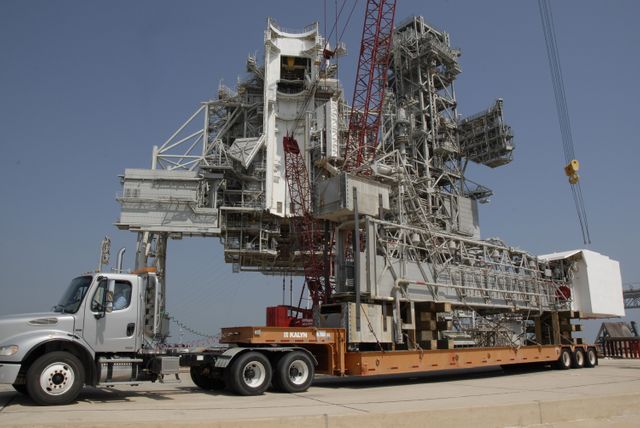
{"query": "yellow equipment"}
(571, 170)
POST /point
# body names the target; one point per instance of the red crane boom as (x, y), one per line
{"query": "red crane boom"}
(364, 126)
(370, 84)
(308, 229)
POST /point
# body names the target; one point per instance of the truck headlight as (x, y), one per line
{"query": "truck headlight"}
(6, 351)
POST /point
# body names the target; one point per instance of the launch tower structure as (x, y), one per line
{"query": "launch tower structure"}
(406, 234)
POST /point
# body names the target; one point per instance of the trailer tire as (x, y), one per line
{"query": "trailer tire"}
(294, 372)
(55, 378)
(201, 377)
(577, 360)
(591, 359)
(249, 374)
(564, 362)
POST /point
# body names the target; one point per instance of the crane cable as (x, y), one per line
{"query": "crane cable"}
(339, 34)
(572, 165)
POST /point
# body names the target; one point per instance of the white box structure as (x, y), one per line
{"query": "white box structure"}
(596, 286)
(290, 65)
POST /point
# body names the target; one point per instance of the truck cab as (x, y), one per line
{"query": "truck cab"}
(106, 311)
(99, 333)
(110, 328)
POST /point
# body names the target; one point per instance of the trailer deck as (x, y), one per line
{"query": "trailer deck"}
(330, 349)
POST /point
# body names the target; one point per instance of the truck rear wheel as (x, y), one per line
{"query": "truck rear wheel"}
(201, 376)
(55, 378)
(294, 372)
(564, 362)
(249, 374)
(578, 358)
(591, 359)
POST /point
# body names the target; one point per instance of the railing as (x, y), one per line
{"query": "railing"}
(620, 348)
(311, 27)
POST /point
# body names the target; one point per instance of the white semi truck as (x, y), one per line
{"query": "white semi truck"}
(102, 333)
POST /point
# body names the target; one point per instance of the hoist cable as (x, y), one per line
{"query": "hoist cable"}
(346, 24)
(564, 121)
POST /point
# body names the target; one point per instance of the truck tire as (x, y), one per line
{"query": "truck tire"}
(249, 374)
(55, 378)
(591, 358)
(564, 362)
(577, 358)
(201, 376)
(21, 388)
(294, 372)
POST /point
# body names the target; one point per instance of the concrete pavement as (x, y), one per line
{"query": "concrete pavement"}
(608, 395)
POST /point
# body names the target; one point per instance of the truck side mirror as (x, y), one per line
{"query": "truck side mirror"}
(107, 297)
(103, 306)
(108, 306)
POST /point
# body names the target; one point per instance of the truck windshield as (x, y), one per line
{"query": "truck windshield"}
(71, 299)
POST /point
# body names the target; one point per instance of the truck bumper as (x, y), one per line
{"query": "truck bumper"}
(9, 372)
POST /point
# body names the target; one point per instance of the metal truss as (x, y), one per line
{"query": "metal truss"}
(206, 139)
(485, 138)
(370, 84)
(476, 274)
(631, 295)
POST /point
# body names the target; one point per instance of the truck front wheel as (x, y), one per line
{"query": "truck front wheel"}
(249, 374)
(55, 378)
(294, 372)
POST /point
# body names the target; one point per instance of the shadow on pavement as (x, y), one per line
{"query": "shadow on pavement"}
(11, 399)
(415, 378)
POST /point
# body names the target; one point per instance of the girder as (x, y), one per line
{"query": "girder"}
(631, 295)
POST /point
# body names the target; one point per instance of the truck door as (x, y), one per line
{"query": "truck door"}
(116, 331)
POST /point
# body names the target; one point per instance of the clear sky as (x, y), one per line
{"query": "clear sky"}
(87, 88)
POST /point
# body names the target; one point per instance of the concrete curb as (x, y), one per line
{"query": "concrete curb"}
(534, 413)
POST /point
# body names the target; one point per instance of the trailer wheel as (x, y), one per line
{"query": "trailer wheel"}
(591, 359)
(294, 372)
(201, 377)
(577, 360)
(55, 378)
(564, 362)
(249, 374)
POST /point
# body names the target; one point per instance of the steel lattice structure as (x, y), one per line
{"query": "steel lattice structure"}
(405, 217)
(631, 295)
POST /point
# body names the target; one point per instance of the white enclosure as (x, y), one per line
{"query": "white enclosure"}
(596, 285)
